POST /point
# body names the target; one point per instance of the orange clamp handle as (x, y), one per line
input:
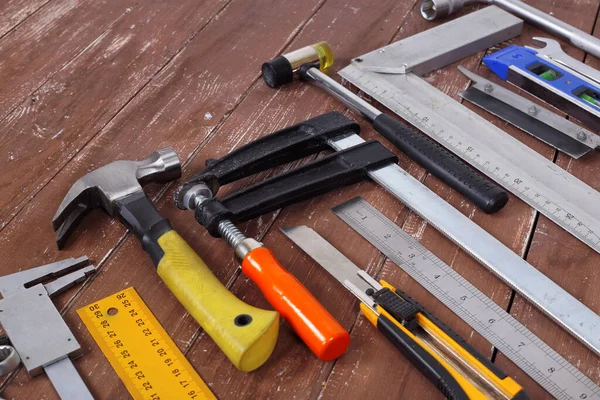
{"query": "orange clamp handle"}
(311, 321)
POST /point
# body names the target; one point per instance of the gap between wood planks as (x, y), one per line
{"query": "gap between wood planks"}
(184, 44)
(52, 74)
(120, 242)
(17, 24)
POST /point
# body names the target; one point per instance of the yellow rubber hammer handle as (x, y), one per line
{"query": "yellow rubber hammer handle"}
(246, 334)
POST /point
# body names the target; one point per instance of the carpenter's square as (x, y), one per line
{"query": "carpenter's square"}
(539, 182)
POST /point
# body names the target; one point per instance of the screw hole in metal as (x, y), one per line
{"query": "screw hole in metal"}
(428, 10)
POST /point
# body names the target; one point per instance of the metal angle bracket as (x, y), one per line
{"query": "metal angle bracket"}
(445, 44)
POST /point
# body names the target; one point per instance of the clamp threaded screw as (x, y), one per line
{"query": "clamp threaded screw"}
(232, 235)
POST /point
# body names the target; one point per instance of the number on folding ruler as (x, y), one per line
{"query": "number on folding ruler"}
(144, 356)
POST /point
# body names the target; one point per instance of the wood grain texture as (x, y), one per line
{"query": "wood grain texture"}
(47, 41)
(13, 12)
(184, 102)
(40, 137)
(187, 75)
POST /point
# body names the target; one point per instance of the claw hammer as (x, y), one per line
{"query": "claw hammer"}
(247, 335)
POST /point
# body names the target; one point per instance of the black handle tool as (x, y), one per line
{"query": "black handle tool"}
(293, 143)
(436, 159)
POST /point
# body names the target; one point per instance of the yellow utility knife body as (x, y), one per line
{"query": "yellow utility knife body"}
(456, 369)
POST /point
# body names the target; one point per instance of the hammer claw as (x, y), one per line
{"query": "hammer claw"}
(70, 222)
(117, 189)
(78, 195)
(111, 185)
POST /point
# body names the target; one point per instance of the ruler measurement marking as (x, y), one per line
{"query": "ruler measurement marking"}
(150, 365)
(521, 345)
(428, 125)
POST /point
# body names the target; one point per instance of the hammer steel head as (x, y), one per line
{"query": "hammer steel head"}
(103, 186)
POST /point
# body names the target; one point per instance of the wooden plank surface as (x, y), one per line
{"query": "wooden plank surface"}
(14, 12)
(152, 73)
(78, 101)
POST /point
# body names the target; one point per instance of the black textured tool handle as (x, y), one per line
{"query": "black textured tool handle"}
(421, 359)
(317, 177)
(442, 164)
(280, 147)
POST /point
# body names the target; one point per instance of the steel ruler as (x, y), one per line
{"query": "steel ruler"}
(543, 185)
(515, 341)
(144, 356)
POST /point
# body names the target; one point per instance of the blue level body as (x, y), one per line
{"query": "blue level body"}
(539, 69)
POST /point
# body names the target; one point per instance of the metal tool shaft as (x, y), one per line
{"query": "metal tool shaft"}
(433, 9)
(67, 381)
(344, 95)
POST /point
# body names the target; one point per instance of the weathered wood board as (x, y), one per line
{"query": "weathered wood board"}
(84, 83)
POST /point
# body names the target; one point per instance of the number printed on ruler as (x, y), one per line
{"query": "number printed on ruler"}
(146, 359)
(514, 340)
(429, 118)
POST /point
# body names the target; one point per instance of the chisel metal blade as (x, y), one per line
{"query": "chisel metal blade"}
(526, 115)
(334, 262)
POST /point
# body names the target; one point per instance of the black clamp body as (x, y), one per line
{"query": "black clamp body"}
(312, 179)
(288, 144)
(317, 177)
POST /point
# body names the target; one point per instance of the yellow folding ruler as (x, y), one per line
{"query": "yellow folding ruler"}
(144, 356)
